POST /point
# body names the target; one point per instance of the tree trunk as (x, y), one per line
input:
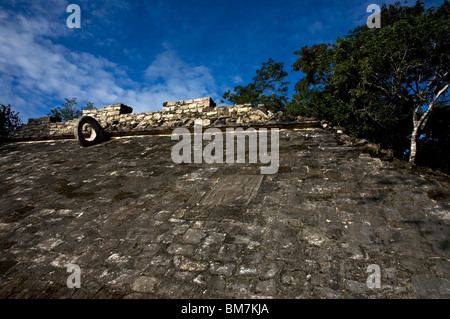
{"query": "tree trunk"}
(413, 148)
(418, 124)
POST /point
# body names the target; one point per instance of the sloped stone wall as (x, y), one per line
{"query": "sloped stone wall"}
(37, 128)
(118, 118)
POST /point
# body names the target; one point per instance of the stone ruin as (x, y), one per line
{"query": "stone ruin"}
(118, 119)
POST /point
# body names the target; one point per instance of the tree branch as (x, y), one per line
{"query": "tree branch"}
(423, 119)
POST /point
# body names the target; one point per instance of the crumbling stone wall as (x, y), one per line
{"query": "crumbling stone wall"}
(118, 118)
(41, 127)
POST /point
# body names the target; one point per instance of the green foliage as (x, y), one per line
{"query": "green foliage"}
(375, 82)
(89, 106)
(267, 88)
(9, 121)
(69, 109)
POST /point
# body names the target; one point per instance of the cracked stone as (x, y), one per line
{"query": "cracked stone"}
(228, 252)
(222, 269)
(267, 287)
(191, 265)
(271, 270)
(146, 284)
(193, 236)
(180, 249)
(246, 271)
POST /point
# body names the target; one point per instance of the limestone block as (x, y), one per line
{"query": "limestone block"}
(255, 118)
(169, 109)
(221, 110)
(259, 113)
(243, 109)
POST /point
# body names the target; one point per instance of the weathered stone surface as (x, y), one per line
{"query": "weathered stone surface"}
(225, 191)
(146, 284)
(140, 226)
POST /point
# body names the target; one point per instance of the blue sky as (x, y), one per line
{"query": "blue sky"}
(143, 53)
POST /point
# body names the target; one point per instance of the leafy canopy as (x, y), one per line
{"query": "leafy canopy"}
(69, 109)
(268, 88)
(9, 121)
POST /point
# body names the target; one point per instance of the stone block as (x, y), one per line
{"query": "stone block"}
(42, 120)
(243, 109)
(222, 269)
(146, 284)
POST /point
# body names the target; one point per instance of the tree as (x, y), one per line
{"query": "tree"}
(89, 106)
(381, 83)
(9, 121)
(267, 88)
(69, 110)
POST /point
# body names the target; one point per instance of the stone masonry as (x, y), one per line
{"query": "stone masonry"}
(118, 119)
(140, 226)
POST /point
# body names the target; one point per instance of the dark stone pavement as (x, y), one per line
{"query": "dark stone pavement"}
(140, 226)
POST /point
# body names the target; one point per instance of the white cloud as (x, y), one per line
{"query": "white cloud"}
(178, 78)
(35, 70)
(237, 79)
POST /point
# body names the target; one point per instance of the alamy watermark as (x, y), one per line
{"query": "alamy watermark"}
(73, 20)
(213, 152)
(74, 280)
(374, 280)
(374, 20)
